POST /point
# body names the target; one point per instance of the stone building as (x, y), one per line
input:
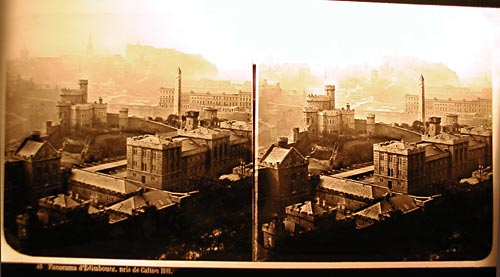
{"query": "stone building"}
(399, 166)
(322, 118)
(60, 209)
(154, 161)
(75, 111)
(283, 179)
(163, 202)
(411, 104)
(182, 99)
(347, 195)
(41, 164)
(166, 162)
(480, 135)
(412, 168)
(100, 189)
(385, 209)
(468, 112)
(307, 216)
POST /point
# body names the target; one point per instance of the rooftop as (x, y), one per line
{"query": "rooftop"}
(129, 205)
(106, 166)
(431, 149)
(277, 155)
(152, 141)
(236, 125)
(384, 208)
(159, 198)
(30, 148)
(203, 132)
(354, 172)
(308, 207)
(103, 181)
(444, 138)
(352, 187)
(189, 144)
(60, 200)
(398, 147)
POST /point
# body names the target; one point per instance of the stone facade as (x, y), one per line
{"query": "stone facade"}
(399, 166)
(166, 161)
(41, 166)
(322, 118)
(412, 168)
(76, 112)
(467, 111)
(285, 180)
(154, 161)
(225, 102)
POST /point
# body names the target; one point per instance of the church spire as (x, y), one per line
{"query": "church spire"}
(90, 47)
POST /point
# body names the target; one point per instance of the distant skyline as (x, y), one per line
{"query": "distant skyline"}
(235, 34)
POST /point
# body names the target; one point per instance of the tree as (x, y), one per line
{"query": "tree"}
(173, 120)
(417, 126)
(405, 126)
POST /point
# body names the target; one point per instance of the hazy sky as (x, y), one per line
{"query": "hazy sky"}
(233, 34)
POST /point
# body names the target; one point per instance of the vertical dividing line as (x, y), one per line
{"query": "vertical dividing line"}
(255, 190)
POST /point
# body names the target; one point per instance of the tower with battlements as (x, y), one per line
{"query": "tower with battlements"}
(76, 112)
(322, 118)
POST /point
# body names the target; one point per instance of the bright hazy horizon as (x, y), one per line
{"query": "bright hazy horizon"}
(235, 34)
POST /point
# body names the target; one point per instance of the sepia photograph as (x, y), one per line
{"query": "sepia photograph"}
(128, 132)
(152, 137)
(375, 141)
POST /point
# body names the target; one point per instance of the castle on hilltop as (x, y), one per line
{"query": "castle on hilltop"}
(322, 118)
(75, 111)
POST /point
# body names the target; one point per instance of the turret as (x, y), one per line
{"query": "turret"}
(296, 132)
(434, 126)
(452, 123)
(192, 120)
(370, 124)
(330, 92)
(123, 118)
(84, 89)
(210, 116)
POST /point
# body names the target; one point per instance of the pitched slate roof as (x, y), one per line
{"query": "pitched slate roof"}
(357, 171)
(311, 208)
(432, 149)
(30, 148)
(352, 187)
(106, 166)
(128, 205)
(61, 200)
(159, 198)
(189, 144)
(376, 210)
(277, 155)
(384, 208)
(114, 184)
(403, 203)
